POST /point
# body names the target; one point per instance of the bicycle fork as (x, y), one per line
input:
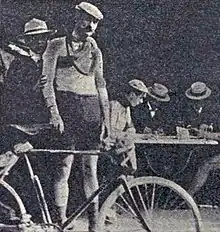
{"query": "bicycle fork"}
(123, 181)
(39, 192)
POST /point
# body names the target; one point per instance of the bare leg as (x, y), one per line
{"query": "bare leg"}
(61, 187)
(90, 185)
(202, 174)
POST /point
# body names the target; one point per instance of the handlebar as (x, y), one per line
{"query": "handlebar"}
(117, 151)
(110, 153)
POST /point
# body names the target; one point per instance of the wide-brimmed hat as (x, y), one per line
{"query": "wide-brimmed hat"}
(90, 9)
(198, 91)
(36, 26)
(159, 92)
(138, 85)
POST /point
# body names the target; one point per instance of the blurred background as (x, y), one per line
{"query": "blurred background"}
(169, 41)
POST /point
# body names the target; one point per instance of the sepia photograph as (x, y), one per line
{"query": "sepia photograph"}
(109, 116)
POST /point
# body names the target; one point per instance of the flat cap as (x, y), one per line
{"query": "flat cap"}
(90, 9)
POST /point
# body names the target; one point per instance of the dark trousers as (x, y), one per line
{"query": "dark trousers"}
(82, 122)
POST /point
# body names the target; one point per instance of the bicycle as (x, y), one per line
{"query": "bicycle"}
(150, 203)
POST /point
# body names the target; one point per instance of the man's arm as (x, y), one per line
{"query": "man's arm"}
(129, 129)
(120, 129)
(102, 91)
(49, 70)
(2, 72)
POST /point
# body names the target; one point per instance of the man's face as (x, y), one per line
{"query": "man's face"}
(154, 104)
(37, 43)
(136, 98)
(197, 105)
(85, 26)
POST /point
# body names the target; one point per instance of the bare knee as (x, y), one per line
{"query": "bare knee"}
(63, 169)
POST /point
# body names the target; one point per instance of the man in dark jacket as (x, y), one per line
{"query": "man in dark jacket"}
(150, 116)
(201, 117)
(154, 118)
(197, 110)
(24, 97)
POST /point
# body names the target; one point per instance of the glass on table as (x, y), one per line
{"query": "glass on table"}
(182, 133)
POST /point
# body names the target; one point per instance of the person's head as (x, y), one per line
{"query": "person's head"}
(136, 92)
(158, 94)
(36, 34)
(198, 93)
(87, 19)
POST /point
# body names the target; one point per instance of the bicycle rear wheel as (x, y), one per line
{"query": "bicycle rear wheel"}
(12, 210)
(13, 215)
(164, 205)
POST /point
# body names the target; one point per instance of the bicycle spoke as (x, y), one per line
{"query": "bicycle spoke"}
(126, 211)
(136, 208)
(128, 205)
(180, 205)
(153, 197)
(147, 197)
(142, 200)
(139, 199)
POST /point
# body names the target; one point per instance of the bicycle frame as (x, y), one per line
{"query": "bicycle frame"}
(119, 178)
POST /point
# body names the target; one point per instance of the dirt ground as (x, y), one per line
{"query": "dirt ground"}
(210, 218)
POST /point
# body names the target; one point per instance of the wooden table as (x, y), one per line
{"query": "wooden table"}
(144, 139)
(172, 154)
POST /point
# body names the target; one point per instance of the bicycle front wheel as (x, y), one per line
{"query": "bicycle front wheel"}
(164, 205)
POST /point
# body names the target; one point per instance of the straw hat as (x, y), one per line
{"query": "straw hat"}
(35, 27)
(198, 91)
(159, 92)
(138, 85)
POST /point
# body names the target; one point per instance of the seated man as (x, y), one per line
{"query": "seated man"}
(196, 112)
(122, 132)
(122, 127)
(200, 118)
(151, 115)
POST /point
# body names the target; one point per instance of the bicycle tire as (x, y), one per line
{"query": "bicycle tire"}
(115, 203)
(20, 212)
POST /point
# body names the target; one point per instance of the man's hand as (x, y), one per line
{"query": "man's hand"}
(57, 122)
(203, 129)
(122, 141)
(41, 83)
(22, 147)
(55, 119)
(108, 143)
(147, 130)
(105, 132)
(201, 132)
(159, 132)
